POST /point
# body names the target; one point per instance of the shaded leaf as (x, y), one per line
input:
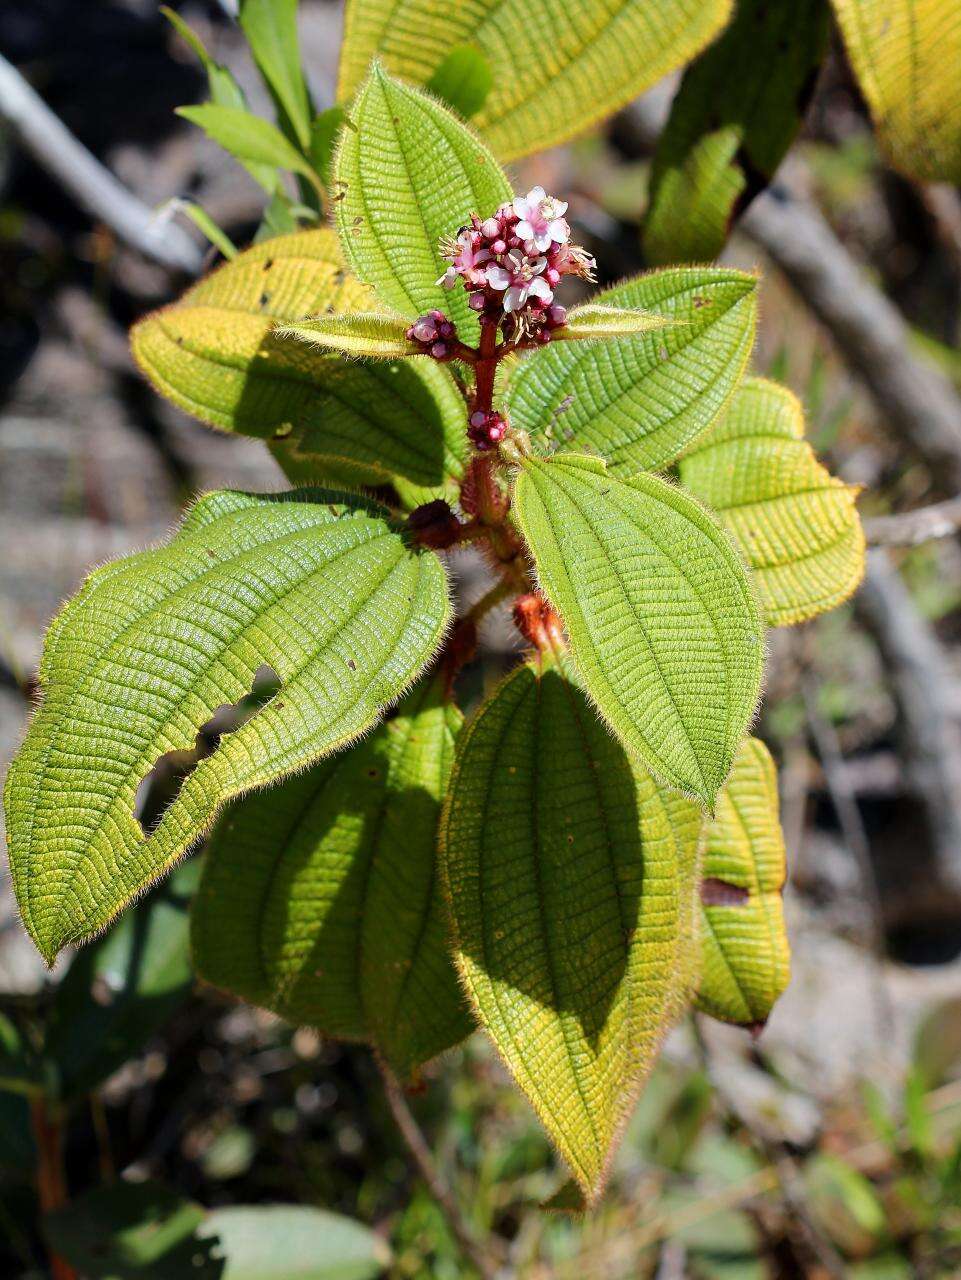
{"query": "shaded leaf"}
(735, 115)
(322, 590)
(408, 173)
(292, 1242)
(271, 30)
(558, 68)
(323, 137)
(661, 617)
(745, 959)
(797, 526)
(640, 401)
(562, 863)
(214, 355)
(906, 54)
(463, 80)
(365, 333)
(321, 899)
(120, 990)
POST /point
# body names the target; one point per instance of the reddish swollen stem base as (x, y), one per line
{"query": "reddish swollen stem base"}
(537, 622)
(51, 1181)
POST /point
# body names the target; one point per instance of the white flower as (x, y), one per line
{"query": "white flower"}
(520, 278)
(541, 219)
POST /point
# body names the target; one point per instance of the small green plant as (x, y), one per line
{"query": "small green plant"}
(598, 848)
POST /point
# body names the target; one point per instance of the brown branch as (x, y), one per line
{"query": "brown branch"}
(910, 528)
(47, 1126)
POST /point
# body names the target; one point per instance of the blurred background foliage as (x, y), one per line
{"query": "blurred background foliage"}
(829, 1146)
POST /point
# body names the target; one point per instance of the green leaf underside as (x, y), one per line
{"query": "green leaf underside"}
(906, 54)
(562, 861)
(407, 174)
(321, 899)
(661, 617)
(640, 401)
(797, 526)
(735, 115)
(745, 959)
(214, 355)
(590, 321)
(590, 58)
(322, 589)
(359, 334)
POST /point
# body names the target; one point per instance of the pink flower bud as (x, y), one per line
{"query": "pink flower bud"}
(557, 314)
(476, 302)
(491, 228)
(439, 350)
(499, 246)
(478, 419)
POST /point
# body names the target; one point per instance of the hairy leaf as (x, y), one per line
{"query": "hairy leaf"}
(463, 80)
(249, 137)
(321, 900)
(324, 592)
(407, 174)
(797, 526)
(661, 617)
(365, 333)
(734, 117)
(906, 55)
(558, 69)
(591, 321)
(271, 30)
(562, 862)
(745, 959)
(640, 401)
(214, 355)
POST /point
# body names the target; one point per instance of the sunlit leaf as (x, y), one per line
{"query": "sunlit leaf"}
(745, 959)
(249, 137)
(321, 899)
(364, 333)
(662, 619)
(594, 321)
(271, 30)
(563, 861)
(797, 526)
(325, 593)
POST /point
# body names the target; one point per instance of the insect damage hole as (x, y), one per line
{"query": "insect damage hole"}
(162, 785)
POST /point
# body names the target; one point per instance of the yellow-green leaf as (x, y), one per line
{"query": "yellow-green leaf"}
(906, 55)
(745, 958)
(662, 620)
(213, 353)
(797, 526)
(592, 320)
(558, 68)
(563, 861)
(321, 899)
(366, 333)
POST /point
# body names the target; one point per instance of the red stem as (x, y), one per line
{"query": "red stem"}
(51, 1180)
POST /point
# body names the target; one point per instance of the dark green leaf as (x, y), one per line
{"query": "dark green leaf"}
(271, 30)
(323, 137)
(463, 79)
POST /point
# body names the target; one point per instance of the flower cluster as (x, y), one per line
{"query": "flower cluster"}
(435, 334)
(485, 430)
(512, 262)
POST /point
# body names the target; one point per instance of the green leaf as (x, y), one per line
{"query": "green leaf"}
(562, 860)
(205, 223)
(661, 617)
(463, 80)
(906, 54)
(215, 356)
(271, 30)
(745, 959)
(640, 401)
(365, 333)
(120, 990)
(224, 92)
(323, 138)
(145, 1231)
(249, 137)
(322, 590)
(593, 321)
(407, 174)
(796, 525)
(559, 69)
(21, 1068)
(735, 115)
(321, 901)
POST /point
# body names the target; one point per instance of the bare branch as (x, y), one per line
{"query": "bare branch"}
(939, 520)
(54, 147)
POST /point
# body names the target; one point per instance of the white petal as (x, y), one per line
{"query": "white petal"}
(538, 265)
(520, 207)
(559, 231)
(497, 277)
(560, 208)
(541, 289)
(536, 195)
(524, 229)
(543, 241)
(515, 298)
(449, 278)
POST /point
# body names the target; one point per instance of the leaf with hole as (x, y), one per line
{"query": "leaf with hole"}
(321, 899)
(407, 174)
(735, 115)
(562, 861)
(640, 401)
(797, 526)
(745, 959)
(662, 620)
(906, 54)
(559, 69)
(214, 355)
(323, 590)
(365, 333)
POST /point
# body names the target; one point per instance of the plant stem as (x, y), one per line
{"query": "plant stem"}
(47, 1125)
(421, 1155)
